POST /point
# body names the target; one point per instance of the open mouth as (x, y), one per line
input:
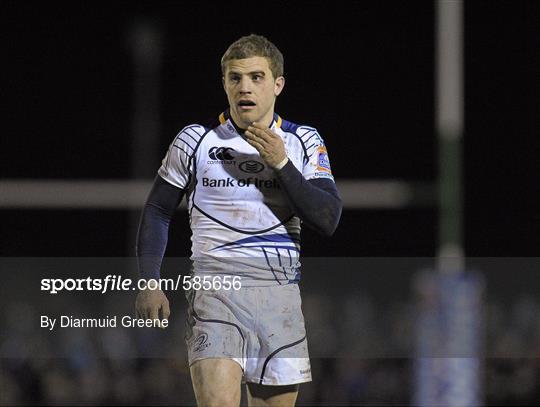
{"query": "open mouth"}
(246, 104)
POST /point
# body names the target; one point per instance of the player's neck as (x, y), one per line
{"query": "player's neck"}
(238, 129)
(241, 126)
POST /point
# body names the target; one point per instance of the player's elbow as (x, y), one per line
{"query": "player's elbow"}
(335, 218)
(330, 218)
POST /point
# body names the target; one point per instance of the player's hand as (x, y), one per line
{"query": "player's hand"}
(269, 145)
(150, 302)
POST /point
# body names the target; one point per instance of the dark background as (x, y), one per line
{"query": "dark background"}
(361, 72)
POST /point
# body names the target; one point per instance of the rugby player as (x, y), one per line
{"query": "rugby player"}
(250, 179)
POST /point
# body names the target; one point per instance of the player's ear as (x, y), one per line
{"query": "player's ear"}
(279, 84)
(223, 81)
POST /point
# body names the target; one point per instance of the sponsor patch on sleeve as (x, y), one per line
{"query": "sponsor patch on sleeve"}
(323, 163)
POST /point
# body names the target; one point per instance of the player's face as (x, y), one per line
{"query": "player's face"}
(251, 90)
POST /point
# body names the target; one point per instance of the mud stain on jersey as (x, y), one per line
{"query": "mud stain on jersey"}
(287, 324)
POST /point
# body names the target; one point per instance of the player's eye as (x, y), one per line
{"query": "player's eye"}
(234, 78)
(257, 77)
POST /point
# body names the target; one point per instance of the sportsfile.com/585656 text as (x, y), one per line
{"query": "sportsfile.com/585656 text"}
(119, 283)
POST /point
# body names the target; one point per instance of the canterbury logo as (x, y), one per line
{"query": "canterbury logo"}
(221, 153)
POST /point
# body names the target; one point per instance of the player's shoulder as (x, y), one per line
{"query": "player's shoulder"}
(196, 131)
(298, 129)
(304, 132)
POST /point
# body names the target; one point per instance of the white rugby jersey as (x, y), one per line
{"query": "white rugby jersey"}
(240, 220)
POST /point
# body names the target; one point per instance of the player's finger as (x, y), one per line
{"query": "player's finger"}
(258, 146)
(267, 130)
(256, 137)
(139, 309)
(165, 310)
(258, 132)
(153, 313)
(262, 133)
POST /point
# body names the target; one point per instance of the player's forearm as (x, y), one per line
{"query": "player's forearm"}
(153, 230)
(315, 202)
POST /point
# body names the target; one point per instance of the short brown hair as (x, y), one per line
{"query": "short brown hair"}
(254, 45)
